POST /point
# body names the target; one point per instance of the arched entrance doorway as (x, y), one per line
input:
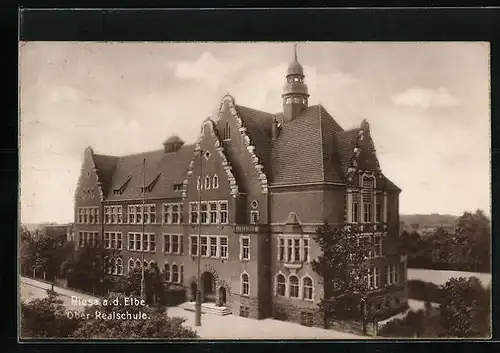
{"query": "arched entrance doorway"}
(222, 296)
(208, 286)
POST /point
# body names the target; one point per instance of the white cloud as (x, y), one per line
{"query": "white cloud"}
(425, 98)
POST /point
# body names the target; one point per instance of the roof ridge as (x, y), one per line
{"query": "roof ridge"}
(255, 110)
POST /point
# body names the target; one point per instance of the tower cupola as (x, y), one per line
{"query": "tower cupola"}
(295, 94)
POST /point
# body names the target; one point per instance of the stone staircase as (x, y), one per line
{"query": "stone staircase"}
(207, 308)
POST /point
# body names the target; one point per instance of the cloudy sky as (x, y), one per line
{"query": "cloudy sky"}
(427, 105)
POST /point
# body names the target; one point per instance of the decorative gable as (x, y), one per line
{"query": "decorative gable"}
(89, 169)
(210, 125)
(229, 102)
(364, 147)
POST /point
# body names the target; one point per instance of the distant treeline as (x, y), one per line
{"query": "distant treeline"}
(427, 219)
(468, 249)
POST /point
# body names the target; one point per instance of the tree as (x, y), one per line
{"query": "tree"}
(343, 266)
(465, 309)
(87, 270)
(154, 280)
(470, 248)
(45, 318)
(155, 323)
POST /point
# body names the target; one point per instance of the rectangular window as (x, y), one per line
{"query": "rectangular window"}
(245, 248)
(152, 213)
(373, 278)
(223, 212)
(113, 240)
(106, 241)
(175, 243)
(254, 217)
(355, 207)
(281, 250)
(131, 214)
(377, 246)
(88, 215)
(194, 245)
(193, 212)
(178, 187)
(367, 211)
(213, 246)
(152, 242)
(306, 250)
(138, 242)
(145, 242)
(204, 213)
(296, 250)
(131, 241)
(166, 243)
(167, 213)
(203, 243)
(176, 213)
(138, 214)
(80, 239)
(289, 250)
(223, 247)
(368, 185)
(392, 274)
(378, 208)
(119, 241)
(213, 212)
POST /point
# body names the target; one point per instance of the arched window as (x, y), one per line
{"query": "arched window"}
(112, 266)
(138, 263)
(131, 265)
(119, 266)
(175, 273)
(207, 182)
(294, 286)
(145, 264)
(181, 274)
(307, 288)
(227, 131)
(198, 183)
(167, 272)
(280, 285)
(215, 182)
(245, 284)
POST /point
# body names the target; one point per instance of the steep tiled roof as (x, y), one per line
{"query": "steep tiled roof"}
(258, 124)
(169, 168)
(311, 148)
(304, 151)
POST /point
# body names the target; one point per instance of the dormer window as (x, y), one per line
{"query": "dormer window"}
(177, 187)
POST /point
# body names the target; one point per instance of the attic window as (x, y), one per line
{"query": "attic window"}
(177, 187)
(117, 192)
(227, 131)
(207, 155)
(151, 185)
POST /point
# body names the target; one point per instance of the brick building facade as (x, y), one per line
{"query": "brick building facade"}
(265, 182)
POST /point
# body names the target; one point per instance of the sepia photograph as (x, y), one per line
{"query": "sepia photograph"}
(254, 190)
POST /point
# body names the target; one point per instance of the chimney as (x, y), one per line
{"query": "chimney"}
(275, 126)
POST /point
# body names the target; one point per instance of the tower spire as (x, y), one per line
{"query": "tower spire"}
(295, 93)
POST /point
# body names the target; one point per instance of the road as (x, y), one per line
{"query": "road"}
(213, 326)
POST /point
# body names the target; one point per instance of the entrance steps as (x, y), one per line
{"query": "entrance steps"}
(207, 308)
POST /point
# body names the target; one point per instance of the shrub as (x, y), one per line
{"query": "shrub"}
(424, 291)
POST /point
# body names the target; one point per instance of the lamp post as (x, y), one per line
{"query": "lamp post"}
(143, 280)
(197, 319)
(362, 305)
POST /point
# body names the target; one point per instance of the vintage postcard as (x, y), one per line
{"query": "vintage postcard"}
(270, 190)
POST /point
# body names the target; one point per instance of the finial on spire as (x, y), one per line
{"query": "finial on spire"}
(295, 51)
